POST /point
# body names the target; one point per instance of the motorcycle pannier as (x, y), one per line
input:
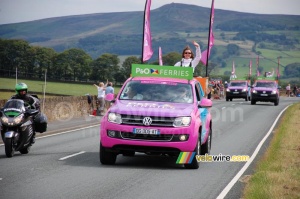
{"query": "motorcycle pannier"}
(40, 123)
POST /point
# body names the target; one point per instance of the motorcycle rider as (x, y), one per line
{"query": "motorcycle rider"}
(29, 100)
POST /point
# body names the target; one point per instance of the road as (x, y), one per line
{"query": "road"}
(67, 165)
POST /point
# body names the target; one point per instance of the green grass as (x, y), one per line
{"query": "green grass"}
(52, 87)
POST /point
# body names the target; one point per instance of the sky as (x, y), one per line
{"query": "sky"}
(14, 11)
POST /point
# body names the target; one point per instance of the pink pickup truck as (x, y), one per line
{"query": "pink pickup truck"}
(159, 110)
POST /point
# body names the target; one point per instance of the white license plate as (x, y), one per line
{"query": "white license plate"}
(235, 92)
(263, 94)
(146, 131)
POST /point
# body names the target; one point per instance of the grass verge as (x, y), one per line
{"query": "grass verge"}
(277, 174)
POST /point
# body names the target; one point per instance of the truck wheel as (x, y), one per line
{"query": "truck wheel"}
(227, 99)
(276, 102)
(9, 149)
(195, 163)
(253, 102)
(106, 157)
(205, 148)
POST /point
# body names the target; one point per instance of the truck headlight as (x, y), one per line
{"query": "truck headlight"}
(115, 118)
(182, 121)
(254, 91)
(244, 90)
(274, 92)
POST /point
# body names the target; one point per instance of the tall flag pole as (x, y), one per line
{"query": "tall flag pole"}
(205, 54)
(233, 68)
(277, 71)
(250, 69)
(147, 51)
(257, 64)
(160, 60)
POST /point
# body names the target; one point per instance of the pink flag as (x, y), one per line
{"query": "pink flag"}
(204, 53)
(257, 64)
(147, 45)
(160, 60)
(250, 68)
(233, 68)
(211, 38)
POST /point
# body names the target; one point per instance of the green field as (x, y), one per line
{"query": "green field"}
(51, 87)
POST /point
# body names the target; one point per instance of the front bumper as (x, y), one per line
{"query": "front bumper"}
(264, 98)
(236, 94)
(166, 141)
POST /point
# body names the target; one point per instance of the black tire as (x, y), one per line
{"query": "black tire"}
(205, 148)
(106, 157)
(253, 102)
(230, 99)
(276, 102)
(25, 150)
(129, 153)
(227, 99)
(195, 163)
(9, 149)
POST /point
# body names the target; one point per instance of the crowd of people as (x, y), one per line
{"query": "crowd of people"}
(104, 97)
(292, 91)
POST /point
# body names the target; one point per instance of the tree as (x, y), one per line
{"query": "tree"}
(105, 67)
(171, 58)
(126, 66)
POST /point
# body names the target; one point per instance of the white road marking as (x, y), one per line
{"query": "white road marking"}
(245, 167)
(232, 104)
(69, 156)
(64, 132)
(223, 107)
(1, 178)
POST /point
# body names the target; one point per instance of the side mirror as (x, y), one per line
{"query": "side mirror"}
(205, 103)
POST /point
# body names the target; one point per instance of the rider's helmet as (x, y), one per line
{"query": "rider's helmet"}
(20, 88)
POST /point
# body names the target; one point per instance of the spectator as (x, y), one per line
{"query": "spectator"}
(295, 90)
(288, 90)
(109, 94)
(100, 97)
(90, 103)
(188, 59)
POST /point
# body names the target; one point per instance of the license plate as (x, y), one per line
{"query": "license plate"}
(146, 131)
(263, 94)
(235, 92)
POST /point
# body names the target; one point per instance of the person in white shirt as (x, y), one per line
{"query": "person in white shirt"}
(100, 97)
(188, 59)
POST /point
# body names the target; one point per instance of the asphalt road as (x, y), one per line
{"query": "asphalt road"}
(67, 165)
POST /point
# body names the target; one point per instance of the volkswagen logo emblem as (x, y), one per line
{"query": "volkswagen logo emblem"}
(147, 121)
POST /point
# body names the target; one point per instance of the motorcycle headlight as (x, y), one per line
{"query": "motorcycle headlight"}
(274, 92)
(254, 91)
(115, 118)
(182, 121)
(18, 119)
(4, 120)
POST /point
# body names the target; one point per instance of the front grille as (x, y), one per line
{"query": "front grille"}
(156, 121)
(132, 136)
(236, 90)
(264, 92)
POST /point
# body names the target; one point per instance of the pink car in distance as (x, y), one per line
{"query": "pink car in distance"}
(160, 110)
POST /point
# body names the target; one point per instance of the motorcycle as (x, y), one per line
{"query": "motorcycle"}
(17, 129)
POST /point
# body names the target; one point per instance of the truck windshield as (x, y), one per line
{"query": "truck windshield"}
(238, 84)
(157, 91)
